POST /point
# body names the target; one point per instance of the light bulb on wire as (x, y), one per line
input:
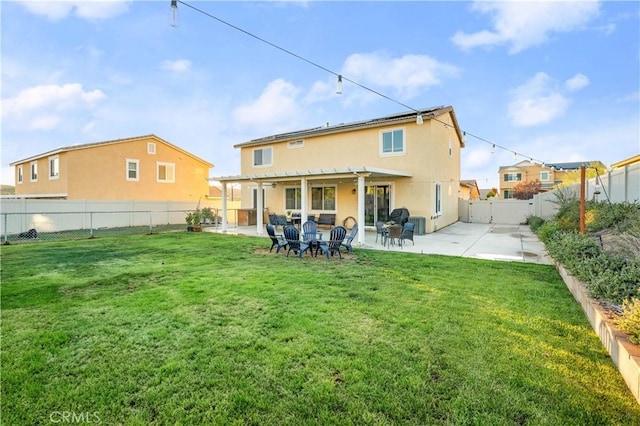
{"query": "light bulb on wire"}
(174, 17)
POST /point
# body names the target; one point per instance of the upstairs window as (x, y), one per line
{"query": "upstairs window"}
(166, 172)
(133, 167)
(151, 148)
(34, 171)
(512, 177)
(54, 167)
(262, 157)
(392, 142)
(20, 175)
(545, 176)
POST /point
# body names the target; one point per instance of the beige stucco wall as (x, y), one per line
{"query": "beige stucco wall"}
(99, 172)
(426, 158)
(530, 172)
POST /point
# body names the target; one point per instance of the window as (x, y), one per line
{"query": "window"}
(254, 196)
(323, 198)
(438, 205)
(54, 167)
(20, 175)
(151, 148)
(293, 199)
(262, 157)
(545, 176)
(450, 148)
(507, 194)
(34, 171)
(295, 144)
(512, 177)
(166, 172)
(392, 142)
(133, 169)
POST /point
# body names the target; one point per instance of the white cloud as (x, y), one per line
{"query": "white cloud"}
(536, 102)
(88, 9)
(577, 82)
(40, 107)
(179, 65)
(276, 105)
(525, 24)
(408, 75)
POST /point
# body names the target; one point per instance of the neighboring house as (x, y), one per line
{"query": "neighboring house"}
(359, 170)
(138, 168)
(549, 174)
(626, 162)
(484, 192)
(469, 190)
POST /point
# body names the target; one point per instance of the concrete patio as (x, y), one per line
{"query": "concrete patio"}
(482, 241)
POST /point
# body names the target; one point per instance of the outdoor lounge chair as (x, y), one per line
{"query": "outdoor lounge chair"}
(277, 241)
(282, 221)
(407, 233)
(332, 245)
(347, 242)
(292, 235)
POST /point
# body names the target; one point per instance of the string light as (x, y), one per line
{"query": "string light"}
(341, 78)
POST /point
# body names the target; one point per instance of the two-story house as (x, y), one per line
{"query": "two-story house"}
(137, 168)
(549, 174)
(360, 170)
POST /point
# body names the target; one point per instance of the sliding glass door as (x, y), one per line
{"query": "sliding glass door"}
(376, 200)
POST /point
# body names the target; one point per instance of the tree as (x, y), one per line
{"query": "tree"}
(573, 177)
(526, 190)
(492, 193)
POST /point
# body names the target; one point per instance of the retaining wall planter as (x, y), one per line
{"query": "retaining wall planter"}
(624, 354)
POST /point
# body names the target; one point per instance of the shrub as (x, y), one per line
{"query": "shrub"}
(610, 277)
(572, 249)
(547, 230)
(629, 321)
(606, 215)
(535, 222)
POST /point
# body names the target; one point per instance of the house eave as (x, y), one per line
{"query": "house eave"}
(320, 173)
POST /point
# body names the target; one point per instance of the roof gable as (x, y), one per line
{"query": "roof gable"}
(109, 142)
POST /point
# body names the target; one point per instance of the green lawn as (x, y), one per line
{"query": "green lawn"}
(200, 328)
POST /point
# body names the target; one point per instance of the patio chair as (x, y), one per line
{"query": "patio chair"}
(347, 242)
(277, 240)
(382, 231)
(394, 235)
(292, 235)
(282, 221)
(311, 217)
(311, 235)
(399, 216)
(407, 233)
(273, 219)
(332, 246)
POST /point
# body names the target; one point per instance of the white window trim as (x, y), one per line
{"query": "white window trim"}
(31, 179)
(253, 157)
(160, 163)
(450, 148)
(57, 176)
(151, 148)
(20, 177)
(392, 154)
(126, 166)
(295, 188)
(548, 176)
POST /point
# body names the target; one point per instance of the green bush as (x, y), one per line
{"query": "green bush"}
(610, 277)
(629, 321)
(605, 215)
(547, 230)
(535, 222)
(572, 249)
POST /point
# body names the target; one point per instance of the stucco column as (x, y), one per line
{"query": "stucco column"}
(303, 200)
(361, 194)
(260, 210)
(224, 206)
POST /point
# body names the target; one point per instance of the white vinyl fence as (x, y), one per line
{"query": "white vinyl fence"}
(617, 186)
(68, 219)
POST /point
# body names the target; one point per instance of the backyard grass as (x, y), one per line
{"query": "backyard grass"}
(200, 328)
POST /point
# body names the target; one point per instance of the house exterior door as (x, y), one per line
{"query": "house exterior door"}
(376, 200)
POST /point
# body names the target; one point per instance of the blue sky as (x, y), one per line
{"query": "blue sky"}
(552, 81)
